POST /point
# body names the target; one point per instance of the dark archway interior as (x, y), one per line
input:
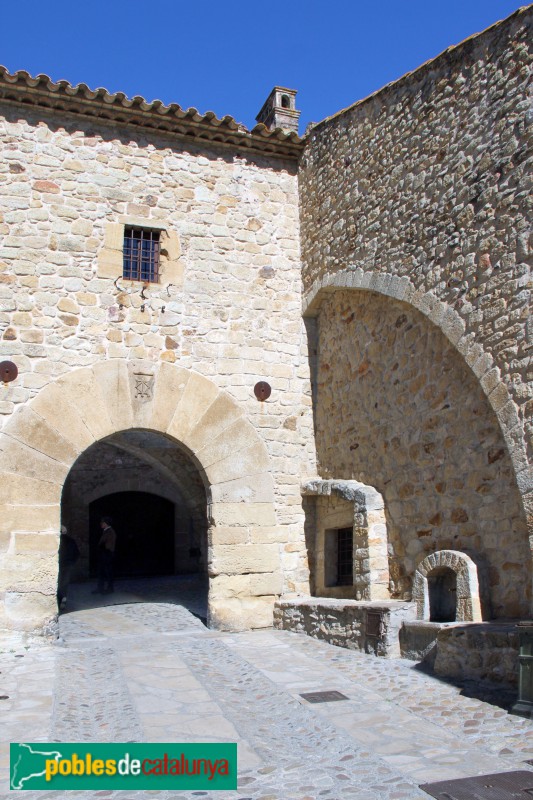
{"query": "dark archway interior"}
(155, 495)
(442, 588)
(144, 524)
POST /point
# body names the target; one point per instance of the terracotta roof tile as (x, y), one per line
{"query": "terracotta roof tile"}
(42, 92)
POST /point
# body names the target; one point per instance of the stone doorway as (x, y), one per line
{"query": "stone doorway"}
(216, 456)
(155, 496)
(446, 584)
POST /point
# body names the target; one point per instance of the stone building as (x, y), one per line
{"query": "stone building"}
(157, 265)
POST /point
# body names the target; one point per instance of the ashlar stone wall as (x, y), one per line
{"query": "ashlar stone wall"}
(226, 314)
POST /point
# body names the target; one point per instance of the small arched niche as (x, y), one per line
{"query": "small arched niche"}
(446, 588)
(442, 595)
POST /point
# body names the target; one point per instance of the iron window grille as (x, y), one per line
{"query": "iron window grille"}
(345, 557)
(141, 255)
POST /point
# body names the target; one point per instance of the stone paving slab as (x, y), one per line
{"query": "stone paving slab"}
(407, 715)
(153, 672)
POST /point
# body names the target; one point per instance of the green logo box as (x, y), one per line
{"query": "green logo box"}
(39, 765)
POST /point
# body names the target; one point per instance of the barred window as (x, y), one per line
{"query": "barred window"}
(141, 255)
(345, 557)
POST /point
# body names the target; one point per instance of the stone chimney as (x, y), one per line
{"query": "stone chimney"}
(279, 110)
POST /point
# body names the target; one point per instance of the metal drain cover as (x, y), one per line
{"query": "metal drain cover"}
(323, 697)
(500, 786)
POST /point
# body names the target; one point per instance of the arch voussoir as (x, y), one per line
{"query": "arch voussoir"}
(198, 395)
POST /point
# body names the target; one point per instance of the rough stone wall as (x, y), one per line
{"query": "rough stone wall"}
(482, 652)
(347, 623)
(478, 652)
(429, 180)
(233, 313)
(423, 192)
(399, 409)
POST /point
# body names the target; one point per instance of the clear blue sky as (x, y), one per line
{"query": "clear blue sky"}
(225, 56)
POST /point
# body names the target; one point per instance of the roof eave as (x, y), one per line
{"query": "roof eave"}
(21, 89)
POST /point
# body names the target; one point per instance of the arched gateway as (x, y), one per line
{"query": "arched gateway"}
(44, 439)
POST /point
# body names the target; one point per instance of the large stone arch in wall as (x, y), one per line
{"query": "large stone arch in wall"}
(453, 327)
(488, 471)
(43, 440)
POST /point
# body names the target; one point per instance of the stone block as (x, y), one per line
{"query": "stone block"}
(241, 465)
(19, 458)
(114, 236)
(170, 384)
(227, 535)
(198, 394)
(172, 267)
(31, 517)
(112, 378)
(44, 543)
(243, 559)
(256, 515)
(251, 489)
(241, 614)
(86, 393)
(29, 571)
(238, 436)
(17, 489)
(266, 583)
(264, 534)
(32, 430)
(220, 415)
(29, 611)
(59, 409)
(229, 586)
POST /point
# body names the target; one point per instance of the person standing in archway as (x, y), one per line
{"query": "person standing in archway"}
(106, 555)
(68, 555)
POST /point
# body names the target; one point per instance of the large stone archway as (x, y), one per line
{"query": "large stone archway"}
(453, 327)
(406, 402)
(42, 441)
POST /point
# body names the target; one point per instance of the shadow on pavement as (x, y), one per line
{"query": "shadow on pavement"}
(189, 591)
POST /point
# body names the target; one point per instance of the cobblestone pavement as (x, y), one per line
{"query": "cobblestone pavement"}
(151, 671)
